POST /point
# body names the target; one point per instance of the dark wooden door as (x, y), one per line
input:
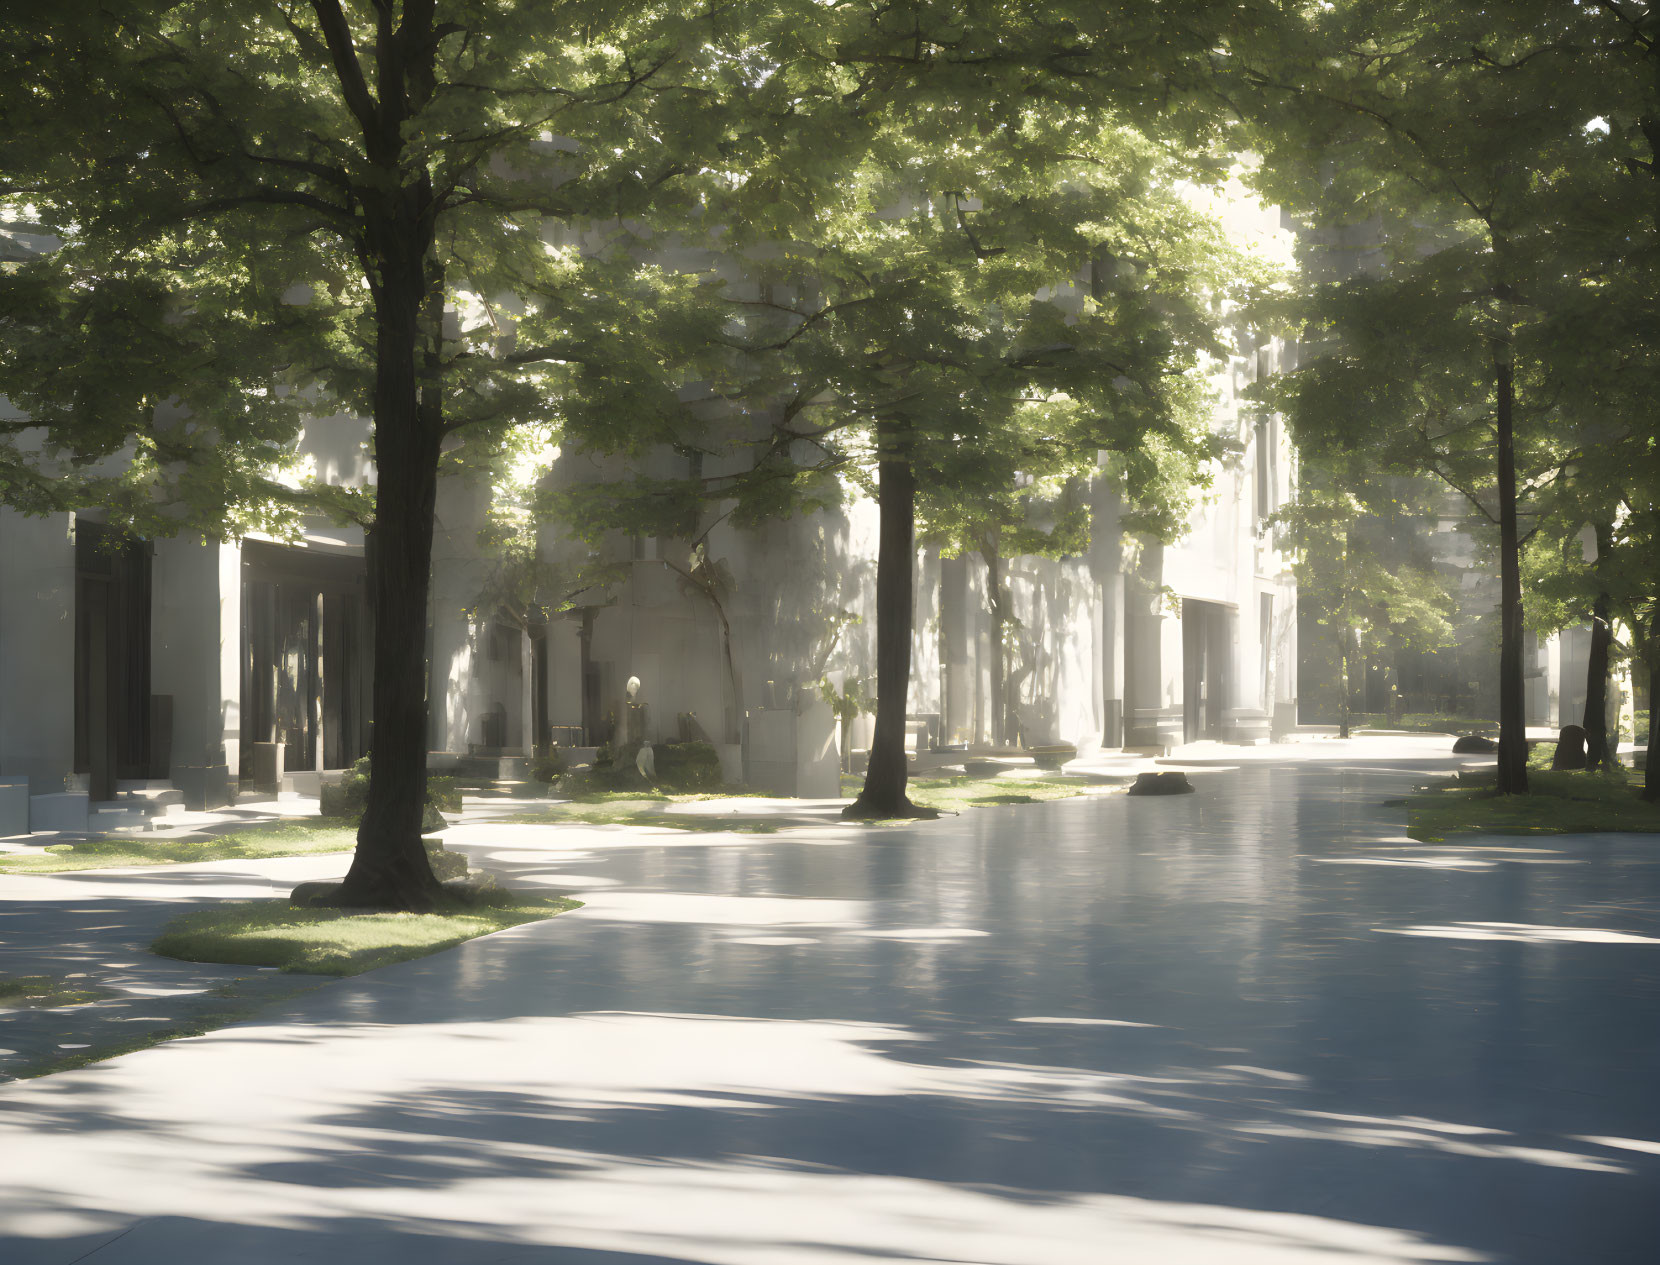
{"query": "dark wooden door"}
(112, 658)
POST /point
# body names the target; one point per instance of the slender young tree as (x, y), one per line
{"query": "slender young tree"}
(1440, 340)
(937, 347)
(1351, 576)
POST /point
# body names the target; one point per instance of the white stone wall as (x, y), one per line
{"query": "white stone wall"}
(37, 649)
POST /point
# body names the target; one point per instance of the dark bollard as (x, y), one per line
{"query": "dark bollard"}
(1570, 749)
(1474, 744)
(1161, 784)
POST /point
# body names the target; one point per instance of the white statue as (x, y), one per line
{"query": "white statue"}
(646, 762)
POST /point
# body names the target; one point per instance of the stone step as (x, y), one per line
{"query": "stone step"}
(159, 798)
(108, 815)
(503, 788)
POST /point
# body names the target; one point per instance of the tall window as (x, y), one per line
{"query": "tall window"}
(1266, 640)
(1265, 481)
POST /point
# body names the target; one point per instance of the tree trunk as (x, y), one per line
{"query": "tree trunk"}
(390, 869)
(1343, 640)
(1651, 780)
(1597, 750)
(1512, 721)
(883, 794)
(527, 688)
(735, 727)
(999, 615)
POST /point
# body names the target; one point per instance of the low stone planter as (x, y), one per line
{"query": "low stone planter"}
(1054, 756)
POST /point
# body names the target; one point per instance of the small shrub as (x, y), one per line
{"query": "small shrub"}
(444, 793)
(550, 766)
(347, 798)
(687, 766)
(614, 769)
(446, 865)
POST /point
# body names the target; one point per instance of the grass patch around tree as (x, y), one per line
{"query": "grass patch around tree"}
(286, 840)
(44, 992)
(957, 794)
(341, 941)
(590, 806)
(636, 809)
(1561, 802)
(946, 795)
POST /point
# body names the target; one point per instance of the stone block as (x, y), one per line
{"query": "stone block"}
(65, 811)
(205, 787)
(817, 759)
(1246, 726)
(731, 762)
(14, 806)
(267, 767)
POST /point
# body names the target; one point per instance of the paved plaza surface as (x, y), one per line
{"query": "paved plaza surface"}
(1254, 1024)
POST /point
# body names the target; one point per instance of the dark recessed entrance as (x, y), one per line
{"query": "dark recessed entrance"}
(305, 655)
(112, 657)
(1207, 668)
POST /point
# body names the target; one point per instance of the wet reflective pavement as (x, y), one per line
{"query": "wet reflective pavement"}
(1254, 1024)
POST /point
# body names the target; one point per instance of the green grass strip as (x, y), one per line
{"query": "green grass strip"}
(634, 811)
(231, 1003)
(295, 839)
(1563, 802)
(957, 794)
(339, 941)
(43, 992)
(953, 795)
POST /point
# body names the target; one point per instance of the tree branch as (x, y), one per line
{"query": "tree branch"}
(354, 89)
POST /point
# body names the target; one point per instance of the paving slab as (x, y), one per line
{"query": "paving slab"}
(1251, 1026)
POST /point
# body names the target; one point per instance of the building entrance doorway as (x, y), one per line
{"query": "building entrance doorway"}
(1207, 669)
(112, 657)
(305, 655)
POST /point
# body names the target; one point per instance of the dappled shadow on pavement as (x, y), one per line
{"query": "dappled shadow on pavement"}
(1135, 1031)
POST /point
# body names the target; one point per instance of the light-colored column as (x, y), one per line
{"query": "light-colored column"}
(957, 705)
(565, 671)
(196, 649)
(456, 695)
(37, 649)
(1112, 659)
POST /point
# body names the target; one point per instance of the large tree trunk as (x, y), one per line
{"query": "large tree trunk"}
(1651, 762)
(390, 869)
(1597, 749)
(1512, 721)
(999, 621)
(883, 794)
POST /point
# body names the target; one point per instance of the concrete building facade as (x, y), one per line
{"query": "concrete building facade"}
(220, 667)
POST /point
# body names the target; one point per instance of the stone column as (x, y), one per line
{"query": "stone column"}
(957, 706)
(456, 569)
(1107, 565)
(37, 649)
(565, 672)
(196, 659)
(1112, 659)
